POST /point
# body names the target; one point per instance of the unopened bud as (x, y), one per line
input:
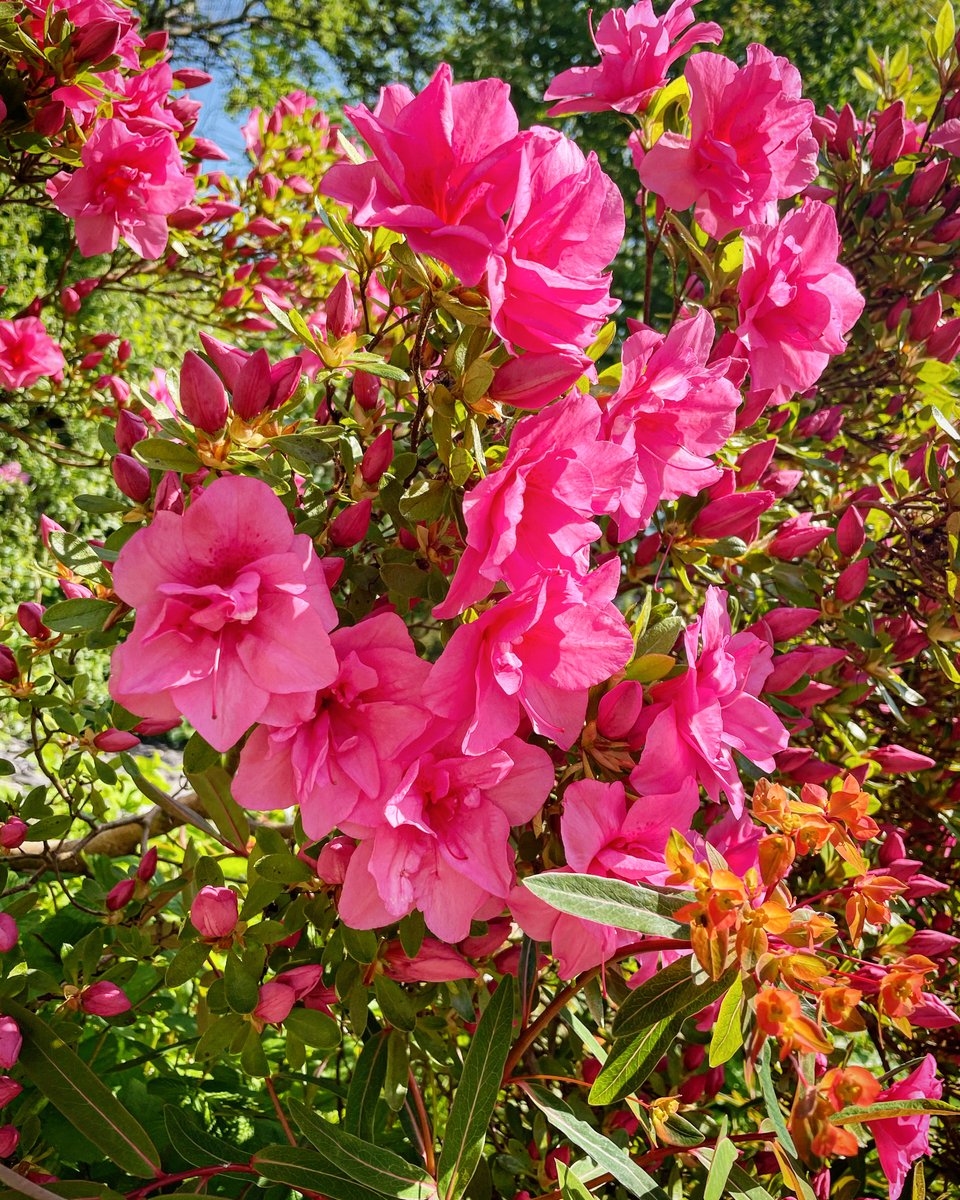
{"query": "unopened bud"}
(115, 741)
(130, 429)
(120, 895)
(340, 309)
(349, 527)
(131, 477)
(202, 395)
(9, 671)
(104, 999)
(377, 458)
(251, 391)
(214, 912)
(850, 535)
(30, 617)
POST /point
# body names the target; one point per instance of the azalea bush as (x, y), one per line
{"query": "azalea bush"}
(563, 698)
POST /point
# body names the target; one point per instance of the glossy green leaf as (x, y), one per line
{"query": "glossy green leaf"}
(194, 1143)
(632, 1060)
(722, 1158)
(672, 990)
(366, 1084)
(856, 1113)
(727, 1036)
(771, 1103)
(610, 902)
(307, 1172)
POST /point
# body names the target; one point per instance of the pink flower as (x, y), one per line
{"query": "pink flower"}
(697, 720)
(104, 999)
(11, 1041)
(797, 536)
(434, 962)
(441, 839)
(9, 1139)
(443, 171)
(796, 302)
(533, 515)
(902, 1140)
(275, 1003)
(9, 1090)
(345, 747)
(120, 894)
(214, 912)
(636, 49)
(672, 410)
(540, 649)
(233, 612)
(9, 934)
(750, 143)
(126, 186)
(13, 831)
(27, 353)
(547, 287)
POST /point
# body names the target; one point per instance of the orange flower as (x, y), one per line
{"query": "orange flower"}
(779, 1015)
(902, 990)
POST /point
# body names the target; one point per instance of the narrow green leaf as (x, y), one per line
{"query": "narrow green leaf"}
(166, 455)
(571, 1187)
(398, 1066)
(856, 1113)
(673, 990)
(772, 1104)
(606, 1154)
(70, 1086)
(366, 1084)
(727, 1036)
(631, 1061)
(213, 788)
(476, 1093)
(194, 1143)
(739, 1183)
(610, 902)
(723, 1156)
(919, 1189)
(306, 1172)
(371, 1166)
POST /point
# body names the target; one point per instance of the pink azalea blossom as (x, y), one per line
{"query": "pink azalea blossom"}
(750, 142)
(434, 962)
(547, 287)
(233, 612)
(214, 912)
(533, 515)
(636, 49)
(443, 171)
(540, 649)
(126, 186)
(27, 353)
(345, 747)
(699, 719)
(672, 410)
(902, 1140)
(104, 999)
(796, 302)
(441, 842)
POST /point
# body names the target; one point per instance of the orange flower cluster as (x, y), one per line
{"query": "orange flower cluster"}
(810, 1124)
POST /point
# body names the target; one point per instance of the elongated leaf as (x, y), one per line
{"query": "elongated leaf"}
(671, 991)
(739, 1183)
(571, 1187)
(307, 1172)
(476, 1094)
(856, 1113)
(722, 1159)
(610, 902)
(366, 1084)
(727, 1036)
(70, 1086)
(772, 1104)
(213, 788)
(631, 1061)
(370, 1165)
(194, 1143)
(606, 1154)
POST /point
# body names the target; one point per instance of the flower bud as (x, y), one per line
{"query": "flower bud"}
(192, 77)
(340, 309)
(70, 301)
(9, 934)
(120, 894)
(9, 1137)
(97, 41)
(752, 463)
(228, 360)
(284, 378)
(927, 182)
(115, 741)
(333, 860)
(786, 623)
(851, 581)
(349, 527)
(944, 343)
(130, 429)
(131, 477)
(251, 391)
(533, 380)
(899, 760)
(932, 943)
(924, 316)
(276, 1001)
(797, 536)
(9, 1090)
(30, 617)
(169, 495)
(366, 390)
(9, 671)
(890, 136)
(202, 395)
(50, 119)
(10, 1042)
(12, 833)
(148, 865)
(732, 516)
(377, 458)
(850, 535)
(104, 999)
(214, 912)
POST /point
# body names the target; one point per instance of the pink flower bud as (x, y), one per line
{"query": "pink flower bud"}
(333, 860)
(890, 136)
(251, 391)
(944, 343)
(276, 1001)
(846, 131)
(214, 912)
(851, 581)
(202, 395)
(349, 527)
(10, 1042)
(148, 865)
(97, 41)
(9, 1090)
(924, 316)
(797, 536)
(124, 350)
(850, 535)
(169, 496)
(340, 309)
(154, 726)
(9, 671)
(50, 119)
(156, 41)
(284, 378)
(786, 623)
(270, 185)
(927, 182)
(9, 934)
(30, 617)
(264, 228)
(533, 380)
(131, 477)
(120, 894)
(115, 741)
(9, 1137)
(899, 760)
(932, 943)
(619, 711)
(70, 301)
(732, 516)
(754, 461)
(204, 148)
(366, 390)
(130, 429)
(377, 458)
(104, 999)
(192, 77)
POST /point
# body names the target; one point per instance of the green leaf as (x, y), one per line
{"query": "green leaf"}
(399, 1009)
(306, 1172)
(213, 788)
(631, 1061)
(166, 455)
(606, 1154)
(186, 963)
(194, 1143)
(219, 1036)
(77, 616)
(372, 365)
(855, 1113)
(241, 985)
(672, 990)
(945, 30)
(571, 1187)
(72, 1088)
(723, 1156)
(610, 902)
(366, 1084)
(476, 1093)
(314, 1028)
(371, 1166)
(283, 868)
(727, 1036)
(770, 1100)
